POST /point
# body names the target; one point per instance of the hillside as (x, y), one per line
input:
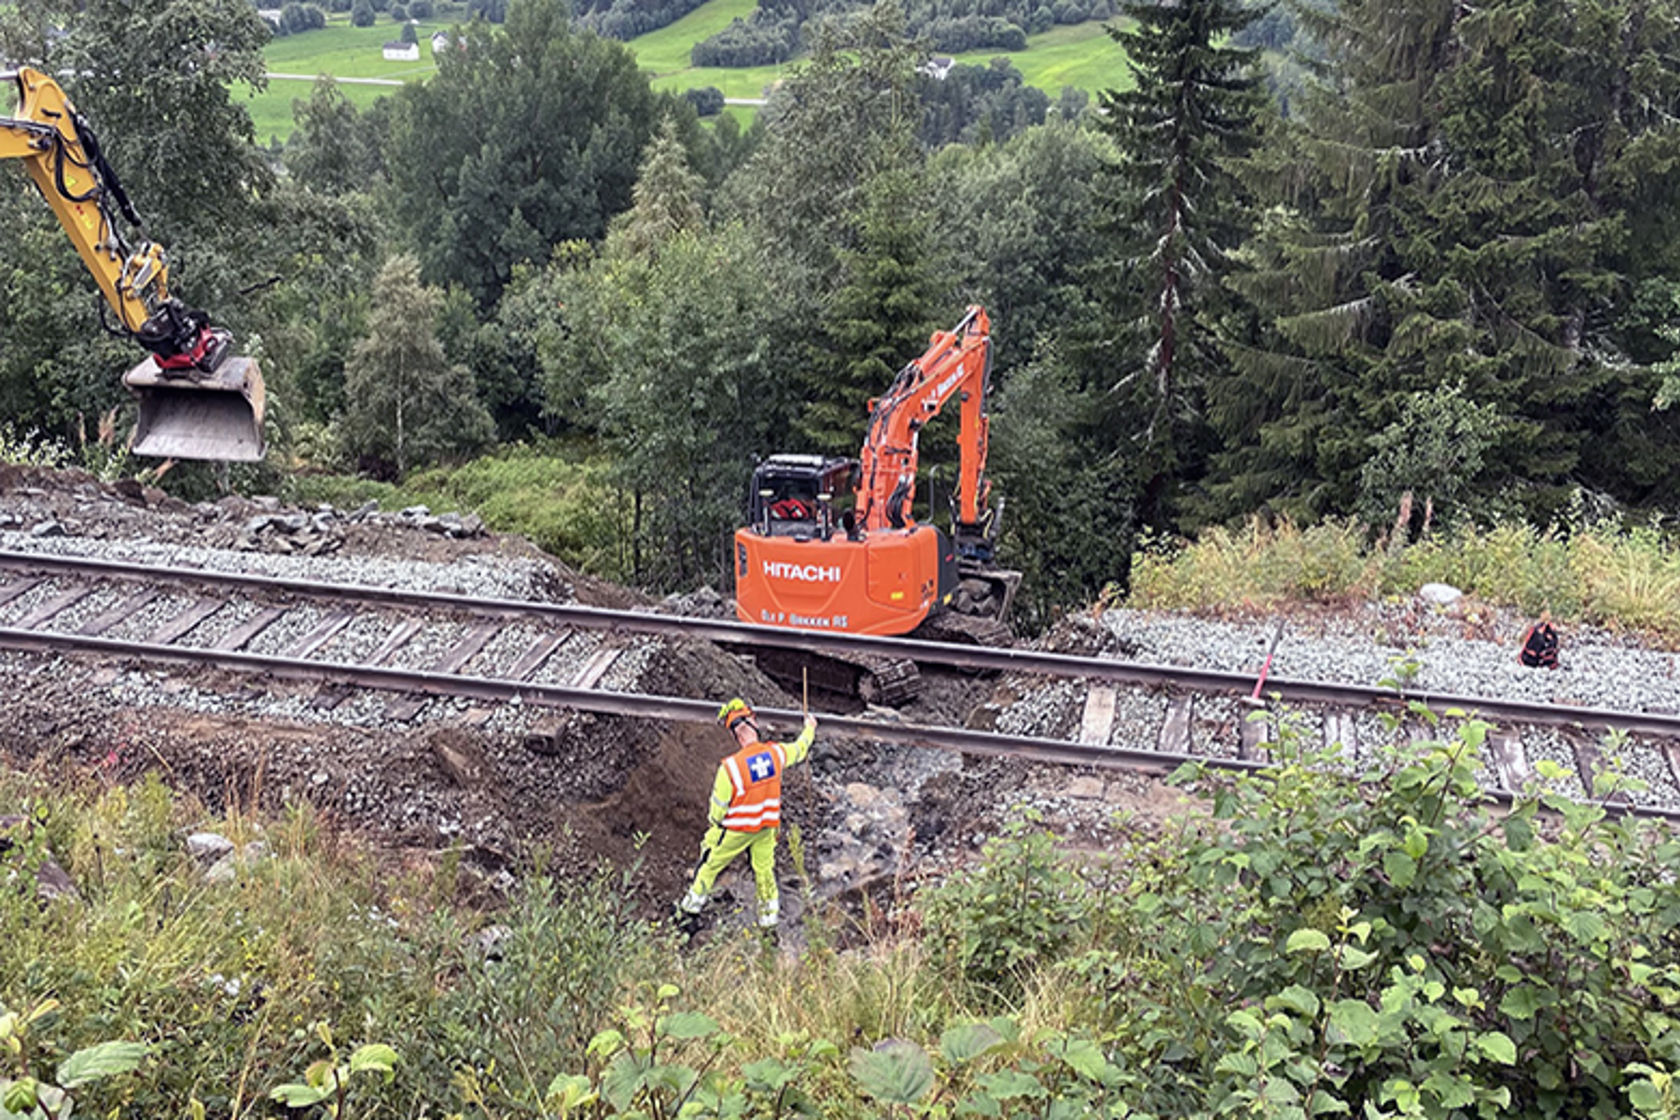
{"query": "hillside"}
(1079, 55)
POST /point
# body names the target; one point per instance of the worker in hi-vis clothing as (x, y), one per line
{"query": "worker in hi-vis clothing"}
(745, 812)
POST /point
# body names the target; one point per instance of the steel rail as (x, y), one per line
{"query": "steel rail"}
(987, 658)
(677, 709)
(641, 705)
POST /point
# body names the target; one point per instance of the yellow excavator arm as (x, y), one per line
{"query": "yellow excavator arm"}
(195, 401)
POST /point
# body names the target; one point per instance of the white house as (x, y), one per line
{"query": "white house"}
(402, 52)
(938, 66)
(440, 42)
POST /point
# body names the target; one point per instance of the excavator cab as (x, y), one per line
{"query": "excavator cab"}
(194, 414)
(802, 496)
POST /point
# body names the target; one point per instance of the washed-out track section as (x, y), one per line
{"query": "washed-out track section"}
(426, 644)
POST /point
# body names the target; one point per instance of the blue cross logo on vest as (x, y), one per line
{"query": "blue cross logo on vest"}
(762, 766)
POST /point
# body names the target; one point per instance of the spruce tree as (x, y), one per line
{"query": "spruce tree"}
(1456, 218)
(881, 317)
(667, 195)
(1309, 384)
(1182, 130)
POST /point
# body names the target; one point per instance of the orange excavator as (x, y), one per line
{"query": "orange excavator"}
(197, 401)
(832, 544)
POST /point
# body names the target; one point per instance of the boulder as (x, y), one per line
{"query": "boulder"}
(1440, 594)
(208, 847)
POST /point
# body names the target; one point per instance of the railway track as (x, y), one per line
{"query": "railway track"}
(419, 645)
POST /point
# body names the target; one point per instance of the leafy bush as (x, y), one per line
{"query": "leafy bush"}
(420, 9)
(1018, 911)
(564, 503)
(1381, 941)
(707, 100)
(361, 14)
(300, 17)
(233, 985)
(30, 449)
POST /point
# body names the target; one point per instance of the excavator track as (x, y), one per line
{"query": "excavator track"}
(879, 681)
(963, 630)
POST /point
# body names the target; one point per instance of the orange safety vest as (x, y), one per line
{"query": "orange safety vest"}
(755, 781)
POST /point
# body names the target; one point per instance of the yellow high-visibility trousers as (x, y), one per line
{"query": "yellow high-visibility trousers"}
(761, 846)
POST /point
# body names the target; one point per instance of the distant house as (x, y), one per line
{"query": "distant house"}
(272, 15)
(440, 42)
(938, 67)
(402, 52)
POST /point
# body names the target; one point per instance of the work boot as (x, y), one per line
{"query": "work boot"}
(686, 922)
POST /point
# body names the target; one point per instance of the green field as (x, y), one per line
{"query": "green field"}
(1079, 55)
(666, 51)
(342, 51)
(1076, 54)
(271, 112)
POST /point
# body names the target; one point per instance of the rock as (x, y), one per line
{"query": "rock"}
(47, 529)
(266, 502)
(489, 940)
(52, 882)
(458, 759)
(472, 525)
(365, 510)
(1441, 594)
(414, 513)
(258, 523)
(223, 872)
(130, 490)
(1085, 787)
(208, 847)
(432, 524)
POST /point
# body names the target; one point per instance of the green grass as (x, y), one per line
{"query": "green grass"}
(666, 51)
(351, 52)
(271, 111)
(342, 51)
(1076, 54)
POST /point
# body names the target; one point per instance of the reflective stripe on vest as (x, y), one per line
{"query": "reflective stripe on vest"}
(755, 775)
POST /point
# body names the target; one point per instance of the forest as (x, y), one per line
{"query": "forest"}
(1441, 279)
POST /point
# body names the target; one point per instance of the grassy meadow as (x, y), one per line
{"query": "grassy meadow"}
(1079, 55)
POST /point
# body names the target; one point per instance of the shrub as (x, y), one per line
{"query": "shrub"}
(1017, 912)
(361, 14)
(301, 17)
(707, 100)
(1341, 944)
(420, 9)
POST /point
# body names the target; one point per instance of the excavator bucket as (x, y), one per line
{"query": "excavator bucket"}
(216, 416)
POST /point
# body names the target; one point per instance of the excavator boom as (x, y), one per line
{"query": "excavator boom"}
(957, 363)
(196, 402)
